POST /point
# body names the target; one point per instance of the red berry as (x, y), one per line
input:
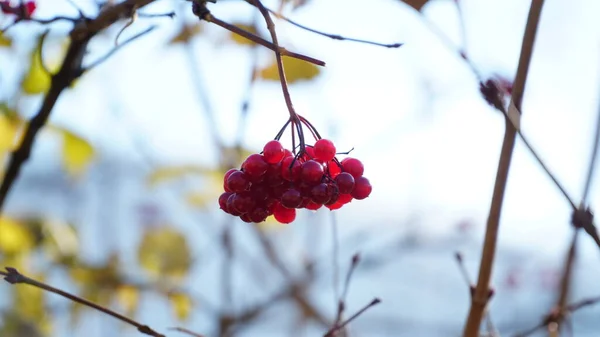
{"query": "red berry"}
(312, 206)
(312, 172)
(333, 168)
(255, 166)
(333, 193)
(284, 215)
(353, 166)
(259, 192)
(291, 198)
(30, 7)
(273, 152)
(319, 194)
(223, 201)
(225, 177)
(246, 218)
(345, 182)
(230, 207)
(345, 198)
(362, 188)
(287, 153)
(238, 182)
(258, 214)
(244, 202)
(273, 175)
(335, 205)
(324, 150)
(290, 169)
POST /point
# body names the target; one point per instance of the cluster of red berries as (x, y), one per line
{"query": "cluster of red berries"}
(277, 183)
(22, 10)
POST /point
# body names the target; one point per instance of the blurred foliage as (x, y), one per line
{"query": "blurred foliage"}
(77, 153)
(5, 41)
(240, 39)
(37, 79)
(181, 304)
(186, 33)
(295, 70)
(164, 253)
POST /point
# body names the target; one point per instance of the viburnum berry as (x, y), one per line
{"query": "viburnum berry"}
(353, 166)
(223, 200)
(345, 182)
(238, 182)
(273, 152)
(283, 214)
(324, 150)
(319, 194)
(255, 166)
(312, 171)
(333, 169)
(362, 188)
(291, 198)
(290, 169)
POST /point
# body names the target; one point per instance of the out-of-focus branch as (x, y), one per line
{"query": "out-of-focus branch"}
(12, 276)
(480, 297)
(70, 69)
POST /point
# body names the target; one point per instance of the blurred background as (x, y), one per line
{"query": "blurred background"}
(118, 203)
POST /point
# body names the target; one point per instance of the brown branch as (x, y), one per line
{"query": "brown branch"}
(259, 40)
(480, 297)
(70, 69)
(13, 276)
(187, 332)
(335, 329)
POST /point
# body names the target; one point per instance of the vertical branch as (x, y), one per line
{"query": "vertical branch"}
(480, 298)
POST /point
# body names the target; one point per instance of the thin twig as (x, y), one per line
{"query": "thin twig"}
(119, 46)
(259, 40)
(481, 296)
(342, 299)
(593, 161)
(12, 276)
(337, 328)
(331, 36)
(186, 331)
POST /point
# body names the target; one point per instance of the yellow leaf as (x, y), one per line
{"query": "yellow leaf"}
(164, 174)
(182, 305)
(295, 70)
(240, 39)
(186, 33)
(15, 236)
(77, 153)
(128, 297)
(8, 133)
(164, 252)
(5, 41)
(36, 80)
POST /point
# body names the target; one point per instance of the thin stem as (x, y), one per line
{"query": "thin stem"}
(593, 161)
(331, 36)
(479, 299)
(256, 39)
(337, 328)
(13, 276)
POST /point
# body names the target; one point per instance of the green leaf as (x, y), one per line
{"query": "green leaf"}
(36, 80)
(164, 252)
(295, 70)
(240, 39)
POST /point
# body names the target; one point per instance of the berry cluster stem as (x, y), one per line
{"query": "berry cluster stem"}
(294, 118)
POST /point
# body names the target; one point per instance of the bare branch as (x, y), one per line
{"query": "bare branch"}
(12, 276)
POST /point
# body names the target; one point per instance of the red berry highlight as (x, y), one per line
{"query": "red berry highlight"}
(324, 150)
